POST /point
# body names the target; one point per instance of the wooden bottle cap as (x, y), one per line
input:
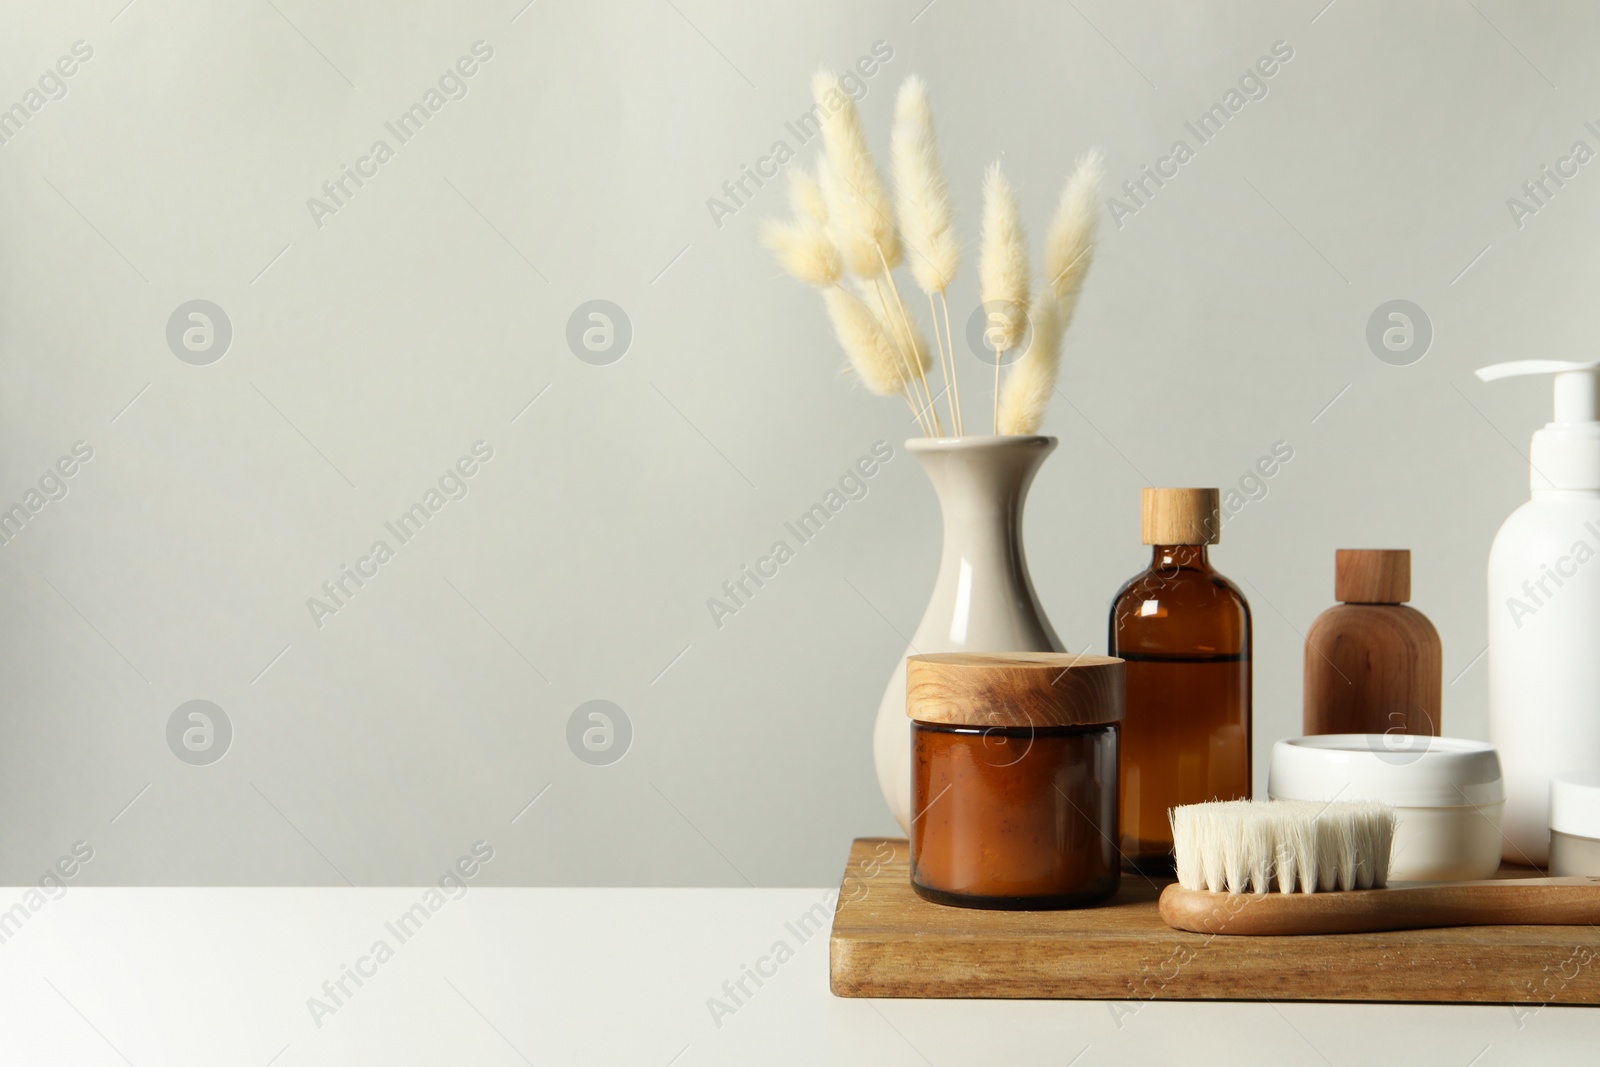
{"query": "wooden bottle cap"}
(1014, 689)
(1372, 575)
(1180, 516)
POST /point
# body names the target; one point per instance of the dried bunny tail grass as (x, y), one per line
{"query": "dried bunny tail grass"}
(1068, 254)
(1003, 261)
(858, 203)
(922, 201)
(868, 345)
(805, 196)
(1069, 246)
(922, 198)
(1030, 383)
(922, 359)
(805, 250)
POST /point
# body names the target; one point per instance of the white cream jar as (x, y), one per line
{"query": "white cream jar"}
(1446, 791)
(1575, 824)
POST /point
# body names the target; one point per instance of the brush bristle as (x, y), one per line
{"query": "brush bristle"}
(1245, 846)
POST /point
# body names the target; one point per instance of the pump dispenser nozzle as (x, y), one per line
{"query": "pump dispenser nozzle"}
(1577, 384)
(1566, 453)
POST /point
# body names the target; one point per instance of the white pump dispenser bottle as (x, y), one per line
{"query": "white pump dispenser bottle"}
(1544, 611)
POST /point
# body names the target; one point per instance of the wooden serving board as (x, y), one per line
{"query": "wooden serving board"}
(889, 942)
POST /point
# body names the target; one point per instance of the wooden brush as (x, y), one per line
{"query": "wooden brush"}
(1303, 867)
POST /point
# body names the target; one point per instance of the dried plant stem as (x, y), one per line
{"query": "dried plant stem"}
(944, 367)
(940, 432)
(901, 360)
(906, 358)
(911, 343)
(914, 402)
(999, 356)
(922, 426)
(955, 377)
(909, 390)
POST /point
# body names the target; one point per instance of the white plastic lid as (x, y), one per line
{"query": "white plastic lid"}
(1406, 770)
(1575, 804)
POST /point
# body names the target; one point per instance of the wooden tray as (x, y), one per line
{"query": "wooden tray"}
(889, 942)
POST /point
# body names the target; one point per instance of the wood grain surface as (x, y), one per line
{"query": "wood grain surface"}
(1571, 901)
(1372, 669)
(1180, 516)
(1014, 689)
(888, 942)
(1372, 575)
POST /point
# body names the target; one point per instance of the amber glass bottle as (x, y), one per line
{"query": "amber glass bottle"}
(1184, 631)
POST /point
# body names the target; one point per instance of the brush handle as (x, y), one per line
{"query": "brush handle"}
(1499, 902)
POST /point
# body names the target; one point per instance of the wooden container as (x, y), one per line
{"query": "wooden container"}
(1373, 665)
(1014, 778)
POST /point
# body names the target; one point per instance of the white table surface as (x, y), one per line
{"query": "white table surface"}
(611, 976)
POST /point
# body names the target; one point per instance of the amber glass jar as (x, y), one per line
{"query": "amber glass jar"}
(1014, 778)
(1184, 631)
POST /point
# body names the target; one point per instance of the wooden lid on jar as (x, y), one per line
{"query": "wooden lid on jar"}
(1372, 575)
(1014, 689)
(1180, 516)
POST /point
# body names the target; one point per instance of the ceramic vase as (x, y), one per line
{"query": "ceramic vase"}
(983, 598)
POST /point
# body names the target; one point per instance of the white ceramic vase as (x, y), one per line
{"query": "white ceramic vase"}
(983, 599)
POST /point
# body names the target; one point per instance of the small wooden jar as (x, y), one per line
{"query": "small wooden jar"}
(1014, 778)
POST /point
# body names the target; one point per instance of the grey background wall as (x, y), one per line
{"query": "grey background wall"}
(374, 343)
